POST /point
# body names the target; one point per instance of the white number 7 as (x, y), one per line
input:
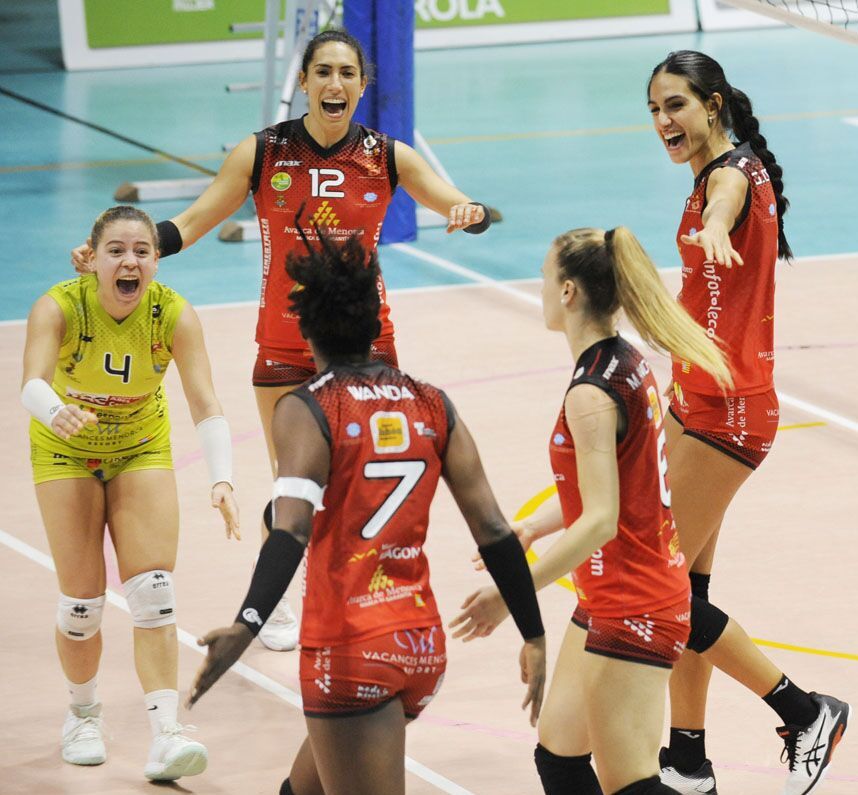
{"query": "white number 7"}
(409, 473)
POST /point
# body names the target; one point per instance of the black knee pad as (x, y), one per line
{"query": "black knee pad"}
(707, 624)
(647, 786)
(563, 774)
(700, 585)
(268, 518)
(285, 787)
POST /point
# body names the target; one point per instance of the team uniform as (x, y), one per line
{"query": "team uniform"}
(370, 630)
(736, 306)
(346, 189)
(633, 593)
(113, 369)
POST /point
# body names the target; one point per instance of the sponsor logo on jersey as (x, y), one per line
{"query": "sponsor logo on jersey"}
(389, 432)
(370, 197)
(654, 410)
(379, 580)
(353, 429)
(635, 379)
(371, 692)
(578, 373)
(104, 400)
(281, 181)
(399, 553)
(325, 215)
(422, 430)
(359, 556)
(609, 370)
(597, 563)
(558, 439)
(321, 382)
(287, 163)
(642, 628)
(369, 143)
(381, 392)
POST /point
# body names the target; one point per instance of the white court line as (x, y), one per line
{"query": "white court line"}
(245, 671)
(452, 267)
(853, 120)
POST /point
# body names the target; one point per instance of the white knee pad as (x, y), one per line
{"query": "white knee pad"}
(79, 619)
(151, 599)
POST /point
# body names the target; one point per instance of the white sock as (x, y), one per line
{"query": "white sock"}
(83, 695)
(162, 708)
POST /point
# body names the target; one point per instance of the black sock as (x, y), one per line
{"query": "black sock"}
(687, 751)
(794, 706)
(564, 774)
(286, 788)
(647, 786)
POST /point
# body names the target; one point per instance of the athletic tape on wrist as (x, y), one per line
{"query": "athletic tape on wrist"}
(216, 442)
(41, 401)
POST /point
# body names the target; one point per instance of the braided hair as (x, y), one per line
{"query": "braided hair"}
(706, 77)
(337, 297)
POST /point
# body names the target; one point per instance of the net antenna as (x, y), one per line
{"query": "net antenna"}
(837, 18)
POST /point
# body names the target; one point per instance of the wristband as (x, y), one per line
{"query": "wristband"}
(213, 433)
(279, 559)
(41, 401)
(507, 564)
(478, 229)
(169, 238)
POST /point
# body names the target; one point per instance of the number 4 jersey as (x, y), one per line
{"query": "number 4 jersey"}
(113, 369)
(641, 569)
(367, 573)
(344, 189)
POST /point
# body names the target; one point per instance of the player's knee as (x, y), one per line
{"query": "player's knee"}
(646, 786)
(151, 599)
(562, 774)
(707, 625)
(285, 787)
(79, 619)
(700, 585)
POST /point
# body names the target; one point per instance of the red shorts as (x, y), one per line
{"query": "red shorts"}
(656, 638)
(289, 368)
(356, 678)
(742, 427)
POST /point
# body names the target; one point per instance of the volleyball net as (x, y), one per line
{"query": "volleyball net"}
(837, 18)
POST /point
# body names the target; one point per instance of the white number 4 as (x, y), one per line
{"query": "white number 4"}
(409, 473)
(322, 187)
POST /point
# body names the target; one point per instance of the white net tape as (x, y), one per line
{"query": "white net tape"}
(838, 18)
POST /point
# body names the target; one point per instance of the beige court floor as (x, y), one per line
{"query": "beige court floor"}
(785, 568)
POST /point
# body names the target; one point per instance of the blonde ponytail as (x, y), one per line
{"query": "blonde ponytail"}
(659, 319)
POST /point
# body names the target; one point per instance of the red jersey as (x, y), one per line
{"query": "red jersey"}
(641, 569)
(366, 570)
(345, 189)
(736, 304)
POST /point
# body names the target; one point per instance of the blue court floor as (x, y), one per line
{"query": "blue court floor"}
(555, 135)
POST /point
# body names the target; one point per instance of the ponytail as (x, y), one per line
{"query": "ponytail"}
(659, 319)
(747, 128)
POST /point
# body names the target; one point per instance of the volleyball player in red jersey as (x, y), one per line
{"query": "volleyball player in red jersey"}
(729, 238)
(632, 621)
(346, 175)
(375, 441)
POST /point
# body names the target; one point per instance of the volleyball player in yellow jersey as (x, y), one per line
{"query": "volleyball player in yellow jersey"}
(97, 350)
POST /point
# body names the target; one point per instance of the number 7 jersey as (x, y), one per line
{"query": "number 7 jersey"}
(344, 189)
(367, 573)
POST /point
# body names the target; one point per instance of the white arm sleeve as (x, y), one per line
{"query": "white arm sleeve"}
(216, 442)
(300, 489)
(41, 401)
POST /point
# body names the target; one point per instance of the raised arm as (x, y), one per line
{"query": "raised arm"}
(192, 361)
(426, 187)
(726, 193)
(46, 328)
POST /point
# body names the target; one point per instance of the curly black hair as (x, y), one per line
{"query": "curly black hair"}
(337, 295)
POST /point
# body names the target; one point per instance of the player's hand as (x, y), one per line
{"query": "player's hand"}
(70, 420)
(225, 646)
(716, 245)
(532, 661)
(82, 259)
(462, 215)
(481, 612)
(526, 537)
(224, 500)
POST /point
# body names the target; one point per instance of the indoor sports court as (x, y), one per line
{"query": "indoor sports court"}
(555, 135)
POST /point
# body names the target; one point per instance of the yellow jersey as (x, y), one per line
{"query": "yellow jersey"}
(113, 368)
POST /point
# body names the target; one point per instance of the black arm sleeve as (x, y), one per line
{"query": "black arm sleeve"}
(478, 229)
(278, 561)
(169, 238)
(507, 564)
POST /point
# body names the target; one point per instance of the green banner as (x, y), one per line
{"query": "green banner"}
(458, 13)
(126, 23)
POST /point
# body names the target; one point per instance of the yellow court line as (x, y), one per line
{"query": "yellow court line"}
(75, 165)
(798, 425)
(564, 582)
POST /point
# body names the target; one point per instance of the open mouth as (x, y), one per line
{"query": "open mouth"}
(127, 285)
(334, 107)
(674, 140)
